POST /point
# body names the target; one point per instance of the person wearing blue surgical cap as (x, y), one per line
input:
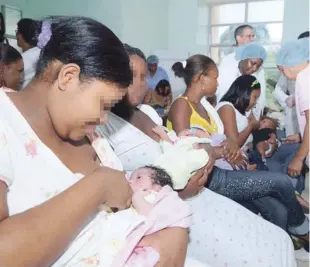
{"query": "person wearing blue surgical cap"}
(284, 94)
(247, 61)
(155, 73)
(293, 62)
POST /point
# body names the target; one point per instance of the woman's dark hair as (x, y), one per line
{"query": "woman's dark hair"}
(89, 44)
(304, 35)
(123, 108)
(239, 93)
(133, 51)
(162, 85)
(29, 30)
(8, 54)
(2, 30)
(178, 69)
(197, 64)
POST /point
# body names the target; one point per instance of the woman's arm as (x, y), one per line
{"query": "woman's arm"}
(171, 244)
(304, 147)
(41, 234)
(295, 167)
(179, 115)
(228, 117)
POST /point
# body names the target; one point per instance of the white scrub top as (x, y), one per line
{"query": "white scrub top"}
(283, 90)
(30, 58)
(229, 72)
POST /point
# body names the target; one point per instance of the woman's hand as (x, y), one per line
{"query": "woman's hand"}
(295, 167)
(171, 244)
(211, 153)
(195, 184)
(240, 163)
(231, 151)
(117, 193)
(292, 139)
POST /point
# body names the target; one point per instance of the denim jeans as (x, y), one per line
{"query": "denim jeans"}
(280, 160)
(270, 209)
(248, 186)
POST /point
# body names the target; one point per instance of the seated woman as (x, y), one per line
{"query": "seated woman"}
(241, 98)
(161, 98)
(52, 183)
(249, 59)
(12, 70)
(242, 186)
(222, 232)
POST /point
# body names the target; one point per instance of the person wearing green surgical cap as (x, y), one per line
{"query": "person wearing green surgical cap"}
(293, 62)
(155, 73)
(247, 61)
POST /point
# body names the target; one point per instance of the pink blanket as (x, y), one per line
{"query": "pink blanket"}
(168, 211)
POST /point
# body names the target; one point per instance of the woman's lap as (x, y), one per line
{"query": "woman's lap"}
(226, 234)
(242, 186)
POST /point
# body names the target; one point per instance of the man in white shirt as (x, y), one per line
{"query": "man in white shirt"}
(27, 34)
(228, 69)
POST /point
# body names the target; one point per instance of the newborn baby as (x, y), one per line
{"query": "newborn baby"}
(264, 139)
(197, 135)
(155, 206)
(146, 182)
(186, 158)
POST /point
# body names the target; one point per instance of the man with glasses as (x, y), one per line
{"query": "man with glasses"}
(228, 69)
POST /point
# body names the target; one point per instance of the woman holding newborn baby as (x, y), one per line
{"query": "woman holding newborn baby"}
(51, 181)
(200, 75)
(223, 233)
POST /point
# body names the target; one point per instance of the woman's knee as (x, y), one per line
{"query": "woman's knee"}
(282, 181)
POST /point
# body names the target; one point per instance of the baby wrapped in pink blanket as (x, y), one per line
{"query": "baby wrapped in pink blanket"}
(153, 198)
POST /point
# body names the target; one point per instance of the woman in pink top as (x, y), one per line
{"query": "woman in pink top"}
(293, 61)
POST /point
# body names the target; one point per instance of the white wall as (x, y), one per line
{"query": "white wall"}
(188, 30)
(296, 18)
(178, 26)
(145, 24)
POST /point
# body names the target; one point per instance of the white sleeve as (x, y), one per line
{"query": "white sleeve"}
(149, 111)
(228, 73)
(6, 168)
(279, 92)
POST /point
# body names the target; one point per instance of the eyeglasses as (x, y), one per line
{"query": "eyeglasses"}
(249, 36)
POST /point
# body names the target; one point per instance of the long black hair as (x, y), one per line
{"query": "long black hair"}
(89, 44)
(239, 93)
(123, 108)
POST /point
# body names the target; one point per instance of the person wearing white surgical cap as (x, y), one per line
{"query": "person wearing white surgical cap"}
(248, 60)
(284, 94)
(293, 62)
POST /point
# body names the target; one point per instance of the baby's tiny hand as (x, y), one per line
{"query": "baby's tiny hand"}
(139, 203)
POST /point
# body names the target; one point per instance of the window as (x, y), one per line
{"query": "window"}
(266, 16)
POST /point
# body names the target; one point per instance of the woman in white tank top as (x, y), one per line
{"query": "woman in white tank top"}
(232, 108)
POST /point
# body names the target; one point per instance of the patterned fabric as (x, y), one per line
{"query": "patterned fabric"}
(223, 233)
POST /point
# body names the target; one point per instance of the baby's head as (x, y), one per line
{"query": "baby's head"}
(269, 123)
(149, 178)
